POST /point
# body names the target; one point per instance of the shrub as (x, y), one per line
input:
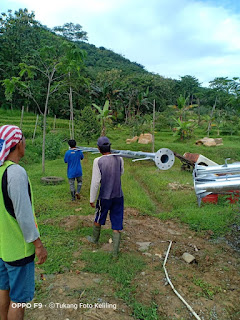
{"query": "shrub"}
(140, 124)
(229, 129)
(31, 154)
(52, 147)
(28, 133)
(88, 125)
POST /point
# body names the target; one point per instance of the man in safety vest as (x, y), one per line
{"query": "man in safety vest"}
(19, 235)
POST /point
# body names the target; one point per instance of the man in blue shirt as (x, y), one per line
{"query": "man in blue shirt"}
(73, 158)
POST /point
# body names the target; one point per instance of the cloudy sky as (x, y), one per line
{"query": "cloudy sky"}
(170, 37)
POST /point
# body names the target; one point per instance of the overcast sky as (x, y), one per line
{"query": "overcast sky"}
(173, 38)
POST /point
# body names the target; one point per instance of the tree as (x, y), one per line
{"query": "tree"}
(211, 117)
(71, 31)
(188, 87)
(107, 86)
(50, 62)
(19, 36)
(71, 64)
(221, 84)
(223, 89)
(229, 86)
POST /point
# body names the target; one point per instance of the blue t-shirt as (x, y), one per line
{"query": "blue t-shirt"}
(73, 158)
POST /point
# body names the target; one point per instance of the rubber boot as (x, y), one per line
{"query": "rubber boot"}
(96, 234)
(116, 242)
(73, 195)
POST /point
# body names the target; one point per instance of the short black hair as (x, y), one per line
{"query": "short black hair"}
(12, 149)
(105, 148)
(72, 143)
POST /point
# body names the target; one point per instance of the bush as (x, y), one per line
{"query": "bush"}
(140, 124)
(52, 147)
(28, 133)
(162, 122)
(31, 154)
(88, 125)
(229, 130)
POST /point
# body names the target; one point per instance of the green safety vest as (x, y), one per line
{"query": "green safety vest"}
(12, 243)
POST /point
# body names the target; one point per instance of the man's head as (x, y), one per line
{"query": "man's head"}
(11, 140)
(104, 145)
(72, 143)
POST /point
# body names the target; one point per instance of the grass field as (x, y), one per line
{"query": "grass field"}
(145, 188)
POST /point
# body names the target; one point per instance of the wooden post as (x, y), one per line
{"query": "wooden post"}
(35, 129)
(21, 117)
(71, 112)
(54, 122)
(70, 131)
(198, 108)
(211, 116)
(153, 127)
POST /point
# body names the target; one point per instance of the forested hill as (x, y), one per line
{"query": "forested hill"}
(56, 67)
(101, 59)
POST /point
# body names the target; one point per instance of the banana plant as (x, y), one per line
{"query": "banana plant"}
(184, 129)
(104, 114)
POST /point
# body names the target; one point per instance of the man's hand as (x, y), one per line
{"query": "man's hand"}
(40, 251)
(92, 204)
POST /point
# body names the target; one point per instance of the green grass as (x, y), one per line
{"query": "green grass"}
(123, 273)
(145, 188)
(135, 197)
(208, 290)
(60, 245)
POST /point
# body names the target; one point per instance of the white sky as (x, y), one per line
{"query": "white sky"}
(173, 38)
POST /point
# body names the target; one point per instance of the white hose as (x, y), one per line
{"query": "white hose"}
(175, 291)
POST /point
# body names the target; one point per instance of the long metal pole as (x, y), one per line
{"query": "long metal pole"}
(163, 158)
(216, 179)
(201, 171)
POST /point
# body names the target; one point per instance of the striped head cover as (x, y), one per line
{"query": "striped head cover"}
(9, 137)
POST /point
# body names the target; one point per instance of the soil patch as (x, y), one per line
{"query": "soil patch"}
(233, 238)
(210, 284)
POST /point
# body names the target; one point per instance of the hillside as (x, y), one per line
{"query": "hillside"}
(35, 58)
(101, 59)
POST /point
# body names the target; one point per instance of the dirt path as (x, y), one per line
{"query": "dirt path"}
(210, 284)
